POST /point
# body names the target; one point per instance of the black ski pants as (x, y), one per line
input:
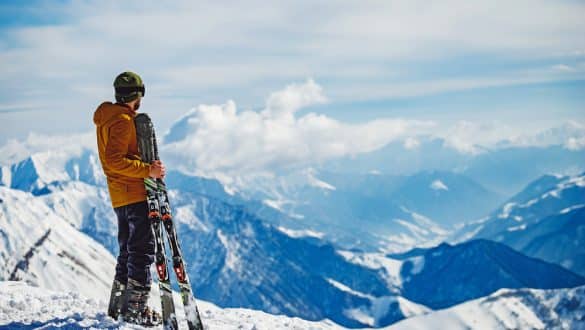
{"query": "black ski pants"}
(136, 243)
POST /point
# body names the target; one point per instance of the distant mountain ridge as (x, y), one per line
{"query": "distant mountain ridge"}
(509, 309)
(545, 220)
(263, 264)
(446, 275)
(503, 169)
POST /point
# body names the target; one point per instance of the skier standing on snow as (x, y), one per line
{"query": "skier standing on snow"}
(125, 172)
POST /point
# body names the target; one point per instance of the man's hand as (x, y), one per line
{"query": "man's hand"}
(157, 170)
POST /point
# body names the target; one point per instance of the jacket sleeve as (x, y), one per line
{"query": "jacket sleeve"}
(117, 150)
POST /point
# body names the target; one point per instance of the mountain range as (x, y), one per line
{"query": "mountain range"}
(545, 220)
(301, 255)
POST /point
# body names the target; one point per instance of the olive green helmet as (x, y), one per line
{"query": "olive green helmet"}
(128, 86)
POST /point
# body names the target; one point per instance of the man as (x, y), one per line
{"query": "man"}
(125, 172)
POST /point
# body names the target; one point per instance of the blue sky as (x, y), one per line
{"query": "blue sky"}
(518, 63)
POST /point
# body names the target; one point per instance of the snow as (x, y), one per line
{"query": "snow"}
(410, 309)
(572, 208)
(467, 235)
(419, 231)
(5, 176)
(377, 261)
(416, 230)
(21, 304)
(301, 233)
(275, 204)
(347, 289)
(506, 210)
(24, 306)
(232, 260)
(44, 249)
(438, 185)
(515, 228)
(186, 215)
(313, 181)
(509, 309)
(361, 315)
(418, 264)
(380, 305)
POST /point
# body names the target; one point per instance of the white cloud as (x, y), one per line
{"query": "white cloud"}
(472, 138)
(411, 143)
(14, 150)
(475, 138)
(294, 97)
(575, 143)
(563, 67)
(193, 51)
(219, 140)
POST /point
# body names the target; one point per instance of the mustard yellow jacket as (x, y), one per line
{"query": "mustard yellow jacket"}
(118, 151)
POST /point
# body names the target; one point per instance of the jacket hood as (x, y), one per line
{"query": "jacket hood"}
(108, 110)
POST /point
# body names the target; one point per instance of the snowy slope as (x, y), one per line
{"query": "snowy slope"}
(361, 206)
(240, 261)
(218, 240)
(509, 309)
(40, 247)
(545, 220)
(22, 305)
(546, 196)
(40, 171)
(447, 275)
(558, 238)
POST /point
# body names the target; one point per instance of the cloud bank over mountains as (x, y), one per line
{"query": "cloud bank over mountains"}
(223, 138)
(222, 141)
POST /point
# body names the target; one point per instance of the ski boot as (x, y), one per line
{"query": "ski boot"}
(135, 309)
(116, 297)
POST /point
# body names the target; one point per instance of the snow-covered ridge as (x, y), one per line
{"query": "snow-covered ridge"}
(528, 208)
(301, 233)
(509, 309)
(40, 247)
(413, 230)
(22, 305)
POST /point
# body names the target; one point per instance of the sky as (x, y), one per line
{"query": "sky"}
(518, 65)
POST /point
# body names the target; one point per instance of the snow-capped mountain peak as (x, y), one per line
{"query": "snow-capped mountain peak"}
(438, 185)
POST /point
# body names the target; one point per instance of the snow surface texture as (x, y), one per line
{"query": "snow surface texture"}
(23, 306)
(43, 249)
(510, 309)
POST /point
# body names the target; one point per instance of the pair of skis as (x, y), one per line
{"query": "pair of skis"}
(161, 220)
